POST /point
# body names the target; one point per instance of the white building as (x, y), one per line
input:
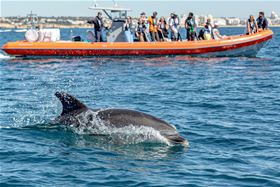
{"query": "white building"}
(273, 15)
(233, 21)
(220, 21)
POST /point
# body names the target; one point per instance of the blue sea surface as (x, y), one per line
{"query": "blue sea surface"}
(227, 108)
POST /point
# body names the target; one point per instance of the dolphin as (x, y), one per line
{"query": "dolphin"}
(77, 114)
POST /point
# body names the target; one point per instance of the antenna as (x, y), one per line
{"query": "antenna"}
(32, 19)
(115, 3)
(95, 3)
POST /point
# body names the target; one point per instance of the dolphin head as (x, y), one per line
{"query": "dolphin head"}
(176, 139)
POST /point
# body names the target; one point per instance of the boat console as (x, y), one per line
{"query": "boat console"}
(118, 16)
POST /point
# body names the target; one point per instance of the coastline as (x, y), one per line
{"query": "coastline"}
(63, 26)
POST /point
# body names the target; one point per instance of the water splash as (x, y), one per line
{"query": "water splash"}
(91, 124)
(2, 56)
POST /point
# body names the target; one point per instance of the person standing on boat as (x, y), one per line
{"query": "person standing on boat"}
(262, 21)
(98, 27)
(153, 27)
(251, 26)
(190, 26)
(173, 24)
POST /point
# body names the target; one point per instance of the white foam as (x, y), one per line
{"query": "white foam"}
(90, 123)
(5, 127)
(5, 30)
(21, 30)
(2, 56)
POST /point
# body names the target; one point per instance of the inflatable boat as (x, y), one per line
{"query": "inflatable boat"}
(47, 43)
(235, 46)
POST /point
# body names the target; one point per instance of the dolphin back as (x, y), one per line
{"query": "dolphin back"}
(124, 117)
(69, 103)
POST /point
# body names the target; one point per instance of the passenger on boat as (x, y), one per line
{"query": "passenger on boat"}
(262, 21)
(209, 26)
(174, 24)
(128, 29)
(251, 26)
(152, 20)
(163, 29)
(190, 25)
(98, 27)
(216, 33)
(140, 31)
(206, 33)
(143, 18)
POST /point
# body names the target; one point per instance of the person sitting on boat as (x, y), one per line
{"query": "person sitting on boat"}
(152, 20)
(173, 24)
(128, 29)
(206, 33)
(143, 18)
(190, 26)
(251, 25)
(209, 26)
(98, 27)
(163, 29)
(262, 21)
(216, 33)
(140, 31)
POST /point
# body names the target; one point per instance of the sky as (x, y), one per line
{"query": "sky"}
(217, 8)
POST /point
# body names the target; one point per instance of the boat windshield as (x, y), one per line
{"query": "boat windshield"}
(118, 14)
(112, 12)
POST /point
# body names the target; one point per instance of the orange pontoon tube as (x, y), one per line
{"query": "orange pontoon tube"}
(245, 45)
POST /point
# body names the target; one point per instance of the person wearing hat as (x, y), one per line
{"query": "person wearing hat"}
(152, 20)
(98, 27)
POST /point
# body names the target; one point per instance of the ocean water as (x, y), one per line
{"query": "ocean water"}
(227, 108)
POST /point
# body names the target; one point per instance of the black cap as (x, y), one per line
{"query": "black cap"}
(142, 14)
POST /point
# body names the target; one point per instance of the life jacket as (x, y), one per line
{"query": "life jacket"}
(153, 24)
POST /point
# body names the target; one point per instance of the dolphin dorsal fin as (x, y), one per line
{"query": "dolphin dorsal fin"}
(69, 102)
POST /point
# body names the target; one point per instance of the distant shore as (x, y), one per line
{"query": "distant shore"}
(10, 26)
(60, 26)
